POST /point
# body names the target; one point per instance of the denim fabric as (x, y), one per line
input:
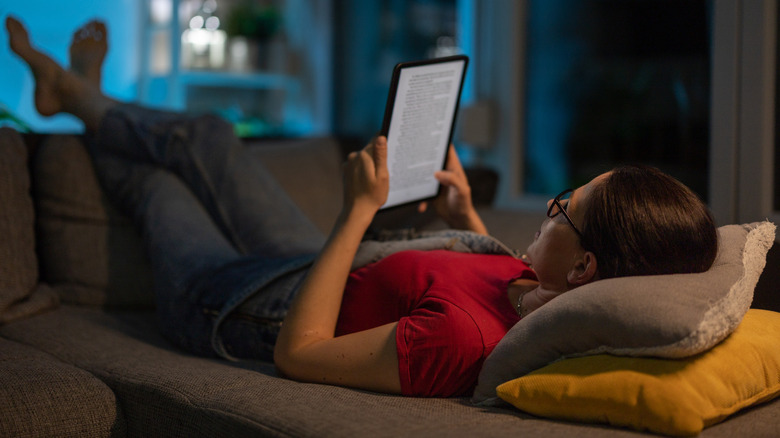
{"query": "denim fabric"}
(217, 226)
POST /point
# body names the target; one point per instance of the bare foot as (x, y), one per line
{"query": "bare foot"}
(88, 50)
(48, 74)
(59, 90)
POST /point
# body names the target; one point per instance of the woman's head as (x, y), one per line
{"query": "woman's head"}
(633, 220)
(641, 221)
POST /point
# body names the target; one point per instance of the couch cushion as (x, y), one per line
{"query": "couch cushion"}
(88, 251)
(42, 396)
(20, 295)
(164, 392)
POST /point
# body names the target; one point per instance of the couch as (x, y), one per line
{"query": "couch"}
(80, 353)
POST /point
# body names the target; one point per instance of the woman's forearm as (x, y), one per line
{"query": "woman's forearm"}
(315, 310)
(307, 348)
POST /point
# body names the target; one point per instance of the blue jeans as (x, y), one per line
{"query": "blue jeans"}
(228, 248)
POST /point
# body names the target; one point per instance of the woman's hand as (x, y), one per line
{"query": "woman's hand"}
(366, 179)
(454, 203)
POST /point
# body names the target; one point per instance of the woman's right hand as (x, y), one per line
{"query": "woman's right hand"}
(366, 178)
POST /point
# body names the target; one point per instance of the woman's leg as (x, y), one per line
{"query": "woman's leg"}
(200, 275)
(185, 250)
(242, 197)
(245, 202)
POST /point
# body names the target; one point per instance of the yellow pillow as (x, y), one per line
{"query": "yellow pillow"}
(667, 396)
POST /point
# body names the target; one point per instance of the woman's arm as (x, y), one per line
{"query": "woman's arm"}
(307, 349)
(454, 203)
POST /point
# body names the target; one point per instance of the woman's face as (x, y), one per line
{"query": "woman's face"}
(556, 249)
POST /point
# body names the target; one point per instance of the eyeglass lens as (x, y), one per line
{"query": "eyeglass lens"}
(560, 201)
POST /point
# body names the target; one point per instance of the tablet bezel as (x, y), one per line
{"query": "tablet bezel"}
(391, 97)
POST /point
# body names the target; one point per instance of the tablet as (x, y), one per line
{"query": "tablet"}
(418, 123)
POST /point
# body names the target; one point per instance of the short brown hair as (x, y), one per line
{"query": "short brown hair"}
(640, 221)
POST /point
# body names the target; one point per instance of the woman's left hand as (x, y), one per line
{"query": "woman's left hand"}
(454, 204)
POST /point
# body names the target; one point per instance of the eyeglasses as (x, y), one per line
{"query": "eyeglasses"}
(556, 208)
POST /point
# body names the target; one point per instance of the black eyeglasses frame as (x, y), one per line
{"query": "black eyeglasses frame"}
(556, 202)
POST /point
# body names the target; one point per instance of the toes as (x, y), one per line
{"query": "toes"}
(95, 30)
(13, 25)
(17, 35)
(100, 28)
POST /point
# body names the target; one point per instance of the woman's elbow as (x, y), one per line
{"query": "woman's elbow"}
(289, 364)
(283, 361)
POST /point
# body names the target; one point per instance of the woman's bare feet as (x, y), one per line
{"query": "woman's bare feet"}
(88, 50)
(48, 74)
(75, 91)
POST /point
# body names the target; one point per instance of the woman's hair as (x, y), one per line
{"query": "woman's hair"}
(640, 221)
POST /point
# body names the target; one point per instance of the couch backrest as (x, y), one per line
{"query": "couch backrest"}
(93, 255)
(21, 295)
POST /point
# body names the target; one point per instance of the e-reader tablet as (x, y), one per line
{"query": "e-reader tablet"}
(419, 120)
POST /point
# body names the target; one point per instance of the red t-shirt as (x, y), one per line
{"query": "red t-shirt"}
(451, 308)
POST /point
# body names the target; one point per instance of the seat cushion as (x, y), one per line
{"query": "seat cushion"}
(166, 392)
(42, 396)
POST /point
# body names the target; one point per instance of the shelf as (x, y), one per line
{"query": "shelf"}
(268, 98)
(239, 80)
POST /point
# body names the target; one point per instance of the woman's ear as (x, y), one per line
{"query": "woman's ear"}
(584, 271)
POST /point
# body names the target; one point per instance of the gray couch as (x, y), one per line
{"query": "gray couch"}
(80, 354)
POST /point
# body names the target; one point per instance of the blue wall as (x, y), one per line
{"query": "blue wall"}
(51, 24)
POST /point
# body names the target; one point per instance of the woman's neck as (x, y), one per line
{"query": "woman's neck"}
(534, 296)
(520, 287)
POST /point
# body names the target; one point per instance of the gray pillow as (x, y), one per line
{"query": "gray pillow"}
(668, 316)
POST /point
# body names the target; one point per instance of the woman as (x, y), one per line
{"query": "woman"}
(233, 257)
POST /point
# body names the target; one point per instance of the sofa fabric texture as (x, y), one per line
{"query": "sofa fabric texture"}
(97, 365)
(88, 250)
(41, 396)
(20, 293)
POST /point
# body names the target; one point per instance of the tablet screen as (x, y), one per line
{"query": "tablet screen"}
(419, 119)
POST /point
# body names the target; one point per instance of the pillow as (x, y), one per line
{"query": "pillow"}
(92, 254)
(20, 293)
(666, 396)
(669, 316)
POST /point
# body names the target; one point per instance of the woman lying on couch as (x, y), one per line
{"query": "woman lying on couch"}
(233, 257)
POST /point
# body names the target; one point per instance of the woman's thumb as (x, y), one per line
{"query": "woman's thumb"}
(380, 154)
